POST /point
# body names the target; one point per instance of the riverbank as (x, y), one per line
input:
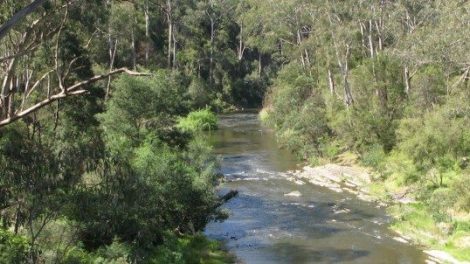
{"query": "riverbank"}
(444, 242)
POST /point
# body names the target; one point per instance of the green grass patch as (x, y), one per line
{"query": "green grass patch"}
(201, 120)
(379, 191)
(264, 116)
(415, 221)
(196, 249)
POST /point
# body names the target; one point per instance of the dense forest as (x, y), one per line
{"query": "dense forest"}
(102, 104)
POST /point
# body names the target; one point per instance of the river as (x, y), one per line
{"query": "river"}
(266, 226)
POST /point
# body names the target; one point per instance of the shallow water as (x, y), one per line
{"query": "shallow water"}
(265, 226)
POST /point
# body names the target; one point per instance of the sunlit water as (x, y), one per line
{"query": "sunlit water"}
(265, 226)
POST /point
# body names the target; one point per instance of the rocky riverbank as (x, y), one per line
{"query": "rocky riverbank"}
(358, 181)
(337, 178)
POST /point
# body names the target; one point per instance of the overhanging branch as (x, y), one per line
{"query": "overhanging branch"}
(76, 89)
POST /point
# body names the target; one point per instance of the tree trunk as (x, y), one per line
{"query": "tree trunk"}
(211, 57)
(174, 48)
(362, 26)
(241, 46)
(371, 42)
(5, 92)
(260, 64)
(112, 56)
(11, 100)
(307, 60)
(18, 218)
(147, 32)
(348, 99)
(331, 83)
(378, 26)
(134, 53)
(407, 80)
(170, 42)
(467, 77)
(170, 31)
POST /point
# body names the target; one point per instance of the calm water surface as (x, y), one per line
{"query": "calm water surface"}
(265, 226)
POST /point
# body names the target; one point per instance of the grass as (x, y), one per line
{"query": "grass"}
(196, 249)
(264, 115)
(204, 251)
(415, 222)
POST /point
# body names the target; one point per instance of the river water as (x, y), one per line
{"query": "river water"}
(266, 226)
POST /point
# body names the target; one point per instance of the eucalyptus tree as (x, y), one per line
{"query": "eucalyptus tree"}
(29, 84)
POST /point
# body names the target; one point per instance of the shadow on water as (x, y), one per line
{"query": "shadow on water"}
(291, 253)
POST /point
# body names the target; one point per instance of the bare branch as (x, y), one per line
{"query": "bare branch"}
(76, 89)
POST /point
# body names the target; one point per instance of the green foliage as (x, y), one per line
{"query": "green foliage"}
(154, 178)
(429, 88)
(374, 156)
(379, 101)
(414, 221)
(437, 141)
(296, 111)
(13, 248)
(190, 250)
(199, 93)
(140, 105)
(401, 169)
(201, 120)
(461, 192)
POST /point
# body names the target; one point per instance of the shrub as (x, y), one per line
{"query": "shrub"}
(374, 156)
(198, 92)
(436, 143)
(201, 120)
(13, 248)
(461, 191)
(195, 249)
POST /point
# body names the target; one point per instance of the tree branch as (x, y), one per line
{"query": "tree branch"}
(18, 16)
(76, 89)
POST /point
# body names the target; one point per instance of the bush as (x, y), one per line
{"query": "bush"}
(296, 109)
(140, 105)
(201, 120)
(198, 91)
(436, 143)
(153, 178)
(379, 103)
(195, 249)
(13, 248)
(461, 191)
(374, 156)
(401, 169)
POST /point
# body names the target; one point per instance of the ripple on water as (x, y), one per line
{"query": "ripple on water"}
(318, 226)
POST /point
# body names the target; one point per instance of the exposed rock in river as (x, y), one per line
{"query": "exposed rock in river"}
(337, 178)
(293, 194)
